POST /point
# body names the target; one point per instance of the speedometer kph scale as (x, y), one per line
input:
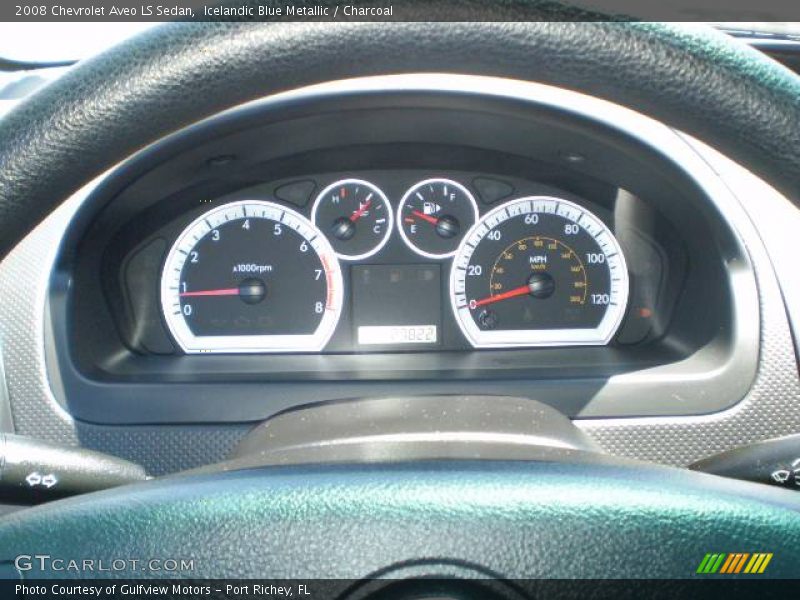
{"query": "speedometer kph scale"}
(539, 271)
(251, 276)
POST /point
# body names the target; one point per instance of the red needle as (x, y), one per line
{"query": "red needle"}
(520, 291)
(357, 214)
(223, 292)
(424, 217)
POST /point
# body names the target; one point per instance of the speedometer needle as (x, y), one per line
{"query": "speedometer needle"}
(522, 290)
(221, 292)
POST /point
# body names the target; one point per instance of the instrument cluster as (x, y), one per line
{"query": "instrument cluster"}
(352, 267)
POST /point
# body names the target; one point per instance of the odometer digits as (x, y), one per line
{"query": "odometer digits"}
(251, 276)
(539, 271)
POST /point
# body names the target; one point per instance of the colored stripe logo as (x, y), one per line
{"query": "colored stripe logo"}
(733, 563)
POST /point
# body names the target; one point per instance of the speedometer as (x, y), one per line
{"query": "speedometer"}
(539, 271)
(251, 276)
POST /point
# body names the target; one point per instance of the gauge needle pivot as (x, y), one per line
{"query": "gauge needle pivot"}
(540, 285)
(446, 226)
(250, 291)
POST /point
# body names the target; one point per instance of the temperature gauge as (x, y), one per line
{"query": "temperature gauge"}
(356, 217)
(434, 215)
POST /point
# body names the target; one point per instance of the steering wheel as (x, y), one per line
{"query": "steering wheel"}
(509, 519)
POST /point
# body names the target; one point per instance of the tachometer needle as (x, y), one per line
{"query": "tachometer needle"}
(424, 217)
(522, 290)
(357, 214)
(222, 292)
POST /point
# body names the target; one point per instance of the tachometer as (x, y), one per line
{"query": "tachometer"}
(539, 271)
(251, 276)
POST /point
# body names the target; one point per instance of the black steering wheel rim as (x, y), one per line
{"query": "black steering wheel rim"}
(106, 108)
(110, 106)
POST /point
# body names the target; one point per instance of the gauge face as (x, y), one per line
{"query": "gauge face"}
(539, 271)
(434, 215)
(251, 276)
(356, 217)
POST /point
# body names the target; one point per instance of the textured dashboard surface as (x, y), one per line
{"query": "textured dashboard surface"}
(772, 408)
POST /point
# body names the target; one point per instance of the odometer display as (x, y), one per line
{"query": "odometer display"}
(251, 276)
(539, 271)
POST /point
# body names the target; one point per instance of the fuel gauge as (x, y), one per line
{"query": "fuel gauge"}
(434, 215)
(356, 217)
